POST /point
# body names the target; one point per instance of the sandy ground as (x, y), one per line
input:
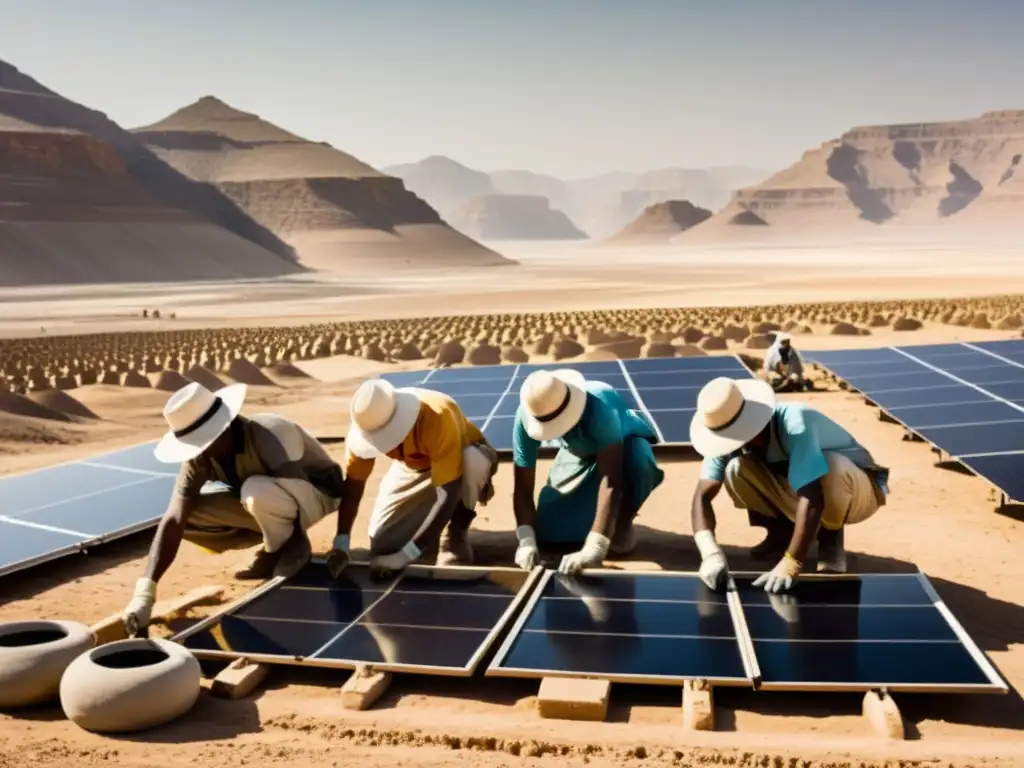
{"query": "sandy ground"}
(937, 518)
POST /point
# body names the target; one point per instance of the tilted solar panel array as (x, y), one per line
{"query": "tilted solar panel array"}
(663, 389)
(966, 399)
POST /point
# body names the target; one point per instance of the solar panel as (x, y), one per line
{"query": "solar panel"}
(435, 620)
(657, 628)
(965, 399)
(662, 389)
(55, 511)
(862, 632)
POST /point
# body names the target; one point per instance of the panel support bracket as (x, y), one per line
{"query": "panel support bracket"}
(238, 679)
(112, 628)
(364, 687)
(883, 715)
(573, 698)
(698, 706)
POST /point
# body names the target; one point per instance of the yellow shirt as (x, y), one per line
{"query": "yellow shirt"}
(435, 442)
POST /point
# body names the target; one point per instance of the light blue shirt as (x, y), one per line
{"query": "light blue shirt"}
(606, 421)
(804, 435)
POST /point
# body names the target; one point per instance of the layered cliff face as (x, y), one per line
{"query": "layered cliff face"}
(82, 201)
(514, 217)
(659, 223)
(876, 180)
(336, 211)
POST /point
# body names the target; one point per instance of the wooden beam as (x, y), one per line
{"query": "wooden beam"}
(238, 679)
(112, 628)
(573, 698)
(698, 706)
(364, 687)
(883, 715)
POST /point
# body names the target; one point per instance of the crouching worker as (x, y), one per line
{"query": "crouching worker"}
(441, 469)
(796, 472)
(603, 473)
(279, 482)
(784, 366)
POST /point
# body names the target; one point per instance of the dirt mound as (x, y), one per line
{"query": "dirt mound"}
(100, 207)
(62, 402)
(171, 381)
(19, 405)
(513, 217)
(286, 370)
(249, 373)
(203, 375)
(336, 211)
(660, 222)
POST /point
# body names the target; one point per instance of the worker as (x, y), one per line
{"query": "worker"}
(277, 481)
(784, 366)
(442, 468)
(798, 474)
(602, 474)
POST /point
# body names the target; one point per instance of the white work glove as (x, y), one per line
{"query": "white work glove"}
(785, 607)
(386, 565)
(590, 556)
(714, 568)
(338, 557)
(596, 606)
(782, 576)
(527, 554)
(139, 611)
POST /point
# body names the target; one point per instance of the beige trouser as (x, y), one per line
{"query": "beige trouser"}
(406, 496)
(850, 495)
(267, 507)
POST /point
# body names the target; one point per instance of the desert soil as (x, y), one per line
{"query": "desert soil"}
(939, 519)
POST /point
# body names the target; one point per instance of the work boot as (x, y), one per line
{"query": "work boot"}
(261, 567)
(454, 547)
(831, 552)
(773, 544)
(624, 540)
(294, 554)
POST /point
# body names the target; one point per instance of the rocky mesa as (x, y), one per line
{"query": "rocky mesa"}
(513, 217)
(82, 201)
(338, 213)
(659, 223)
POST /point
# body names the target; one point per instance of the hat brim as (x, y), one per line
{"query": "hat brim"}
(175, 450)
(758, 407)
(369, 445)
(568, 418)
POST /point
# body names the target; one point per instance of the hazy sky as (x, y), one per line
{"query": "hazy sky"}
(568, 87)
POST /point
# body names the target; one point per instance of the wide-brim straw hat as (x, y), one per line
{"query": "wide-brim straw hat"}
(381, 417)
(552, 402)
(730, 413)
(197, 417)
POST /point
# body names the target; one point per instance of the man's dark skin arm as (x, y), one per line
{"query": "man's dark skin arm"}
(523, 504)
(702, 514)
(168, 536)
(808, 519)
(610, 491)
(351, 494)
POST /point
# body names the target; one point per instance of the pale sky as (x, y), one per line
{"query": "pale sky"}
(566, 87)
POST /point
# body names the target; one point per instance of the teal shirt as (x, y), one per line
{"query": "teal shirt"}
(606, 421)
(805, 435)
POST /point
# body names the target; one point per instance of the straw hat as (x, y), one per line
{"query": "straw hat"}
(730, 413)
(197, 417)
(552, 402)
(381, 417)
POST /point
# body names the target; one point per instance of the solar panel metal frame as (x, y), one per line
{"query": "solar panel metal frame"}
(746, 650)
(963, 459)
(88, 541)
(467, 671)
(399, 378)
(996, 682)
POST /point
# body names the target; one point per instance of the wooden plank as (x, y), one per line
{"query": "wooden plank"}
(364, 688)
(112, 628)
(698, 706)
(883, 715)
(573, 698)
(238, 679)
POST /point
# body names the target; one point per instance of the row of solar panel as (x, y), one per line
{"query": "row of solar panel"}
(663, 389)
(965, 399)
(837, 633)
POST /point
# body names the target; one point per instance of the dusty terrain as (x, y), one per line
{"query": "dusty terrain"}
(939, 519)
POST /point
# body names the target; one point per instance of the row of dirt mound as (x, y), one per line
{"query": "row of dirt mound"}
(266, 356)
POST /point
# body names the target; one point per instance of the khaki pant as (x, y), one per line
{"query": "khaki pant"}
(268, 508)
(405, 498)
(850, 493)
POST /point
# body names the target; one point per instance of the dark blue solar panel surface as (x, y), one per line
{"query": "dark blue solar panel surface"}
(426, 619)
(964, 398)
(627, 627)
(662, 389)
(856, 633)
(54, 511)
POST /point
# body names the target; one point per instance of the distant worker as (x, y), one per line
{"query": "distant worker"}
(279, 482)
(441, 468)
(798, 474)
(784, 366)
(603, 473)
